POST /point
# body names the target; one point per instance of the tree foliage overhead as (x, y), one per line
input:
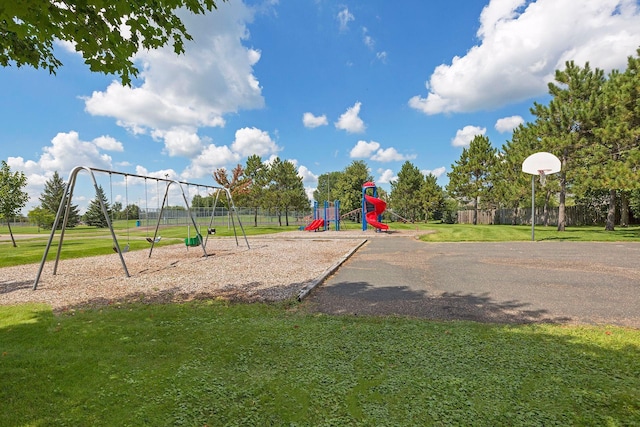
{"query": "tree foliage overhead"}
(106, 33)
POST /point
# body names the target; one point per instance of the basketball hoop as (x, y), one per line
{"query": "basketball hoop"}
(541, 164)
(543, 177)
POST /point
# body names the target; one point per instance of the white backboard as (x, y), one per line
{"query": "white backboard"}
(542, 161)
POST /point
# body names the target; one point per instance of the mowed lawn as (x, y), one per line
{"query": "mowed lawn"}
(215, 363)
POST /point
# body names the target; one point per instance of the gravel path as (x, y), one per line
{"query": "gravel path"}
(276, 267)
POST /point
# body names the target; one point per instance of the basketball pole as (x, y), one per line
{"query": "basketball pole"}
(533, 208)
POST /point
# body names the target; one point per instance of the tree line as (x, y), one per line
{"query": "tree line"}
(591, 123)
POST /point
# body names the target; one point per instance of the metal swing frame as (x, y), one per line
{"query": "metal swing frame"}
(66, 202)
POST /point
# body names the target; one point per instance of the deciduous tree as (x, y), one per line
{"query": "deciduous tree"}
(286, 190)
(326, 189)
(349, 186)
(258, 175)
(237, 184)
(12, 198)
(41, 217)
(106, 33)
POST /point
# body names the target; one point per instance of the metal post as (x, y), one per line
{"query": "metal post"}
(66, 203)
(533, 207)
(193, 220)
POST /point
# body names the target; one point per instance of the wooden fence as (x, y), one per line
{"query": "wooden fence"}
(574, 215)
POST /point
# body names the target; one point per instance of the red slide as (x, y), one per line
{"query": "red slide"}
(372, 216)
(317, 223)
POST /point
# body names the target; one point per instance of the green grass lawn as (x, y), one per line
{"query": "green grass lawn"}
(219, 364)
(86, 241)
(216, 364)
(503, 233)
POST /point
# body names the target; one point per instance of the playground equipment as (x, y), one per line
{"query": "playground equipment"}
(372, 208)
(322, 217)
(68, 195)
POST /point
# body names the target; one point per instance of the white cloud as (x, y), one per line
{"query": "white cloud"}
(382, 57)
(66, 152)
(350, 121)
(251, 141)
(523, 43)
(507, 124)
(108, 143)
(465, 135)
(391, 155)
(367, 39)
(270, 159)
(211, 158)
(344, 17)
(386, 176)
(437, 172)
(364, 149)
(311, 121)
(181, 142)
(371, 150)
(308, 177)
(214, 77)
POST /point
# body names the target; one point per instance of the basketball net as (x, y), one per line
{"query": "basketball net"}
(543, 177)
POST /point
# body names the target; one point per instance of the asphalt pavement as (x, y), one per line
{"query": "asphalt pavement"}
(506, 282)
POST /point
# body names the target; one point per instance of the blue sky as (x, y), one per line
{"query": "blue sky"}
(318, 82)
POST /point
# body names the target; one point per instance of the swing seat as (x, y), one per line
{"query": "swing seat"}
(193, 241)
(156, 240)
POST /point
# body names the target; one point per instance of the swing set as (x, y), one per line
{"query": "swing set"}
(189, 241)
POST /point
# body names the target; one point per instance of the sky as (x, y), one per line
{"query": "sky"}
(320, 83)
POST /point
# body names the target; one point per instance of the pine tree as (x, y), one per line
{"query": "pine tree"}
(614, 158)
(512, 187)
(52, 196)
(470, 177)
(94, 215)
(431, 196)
(566, 125)
(405, 191)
